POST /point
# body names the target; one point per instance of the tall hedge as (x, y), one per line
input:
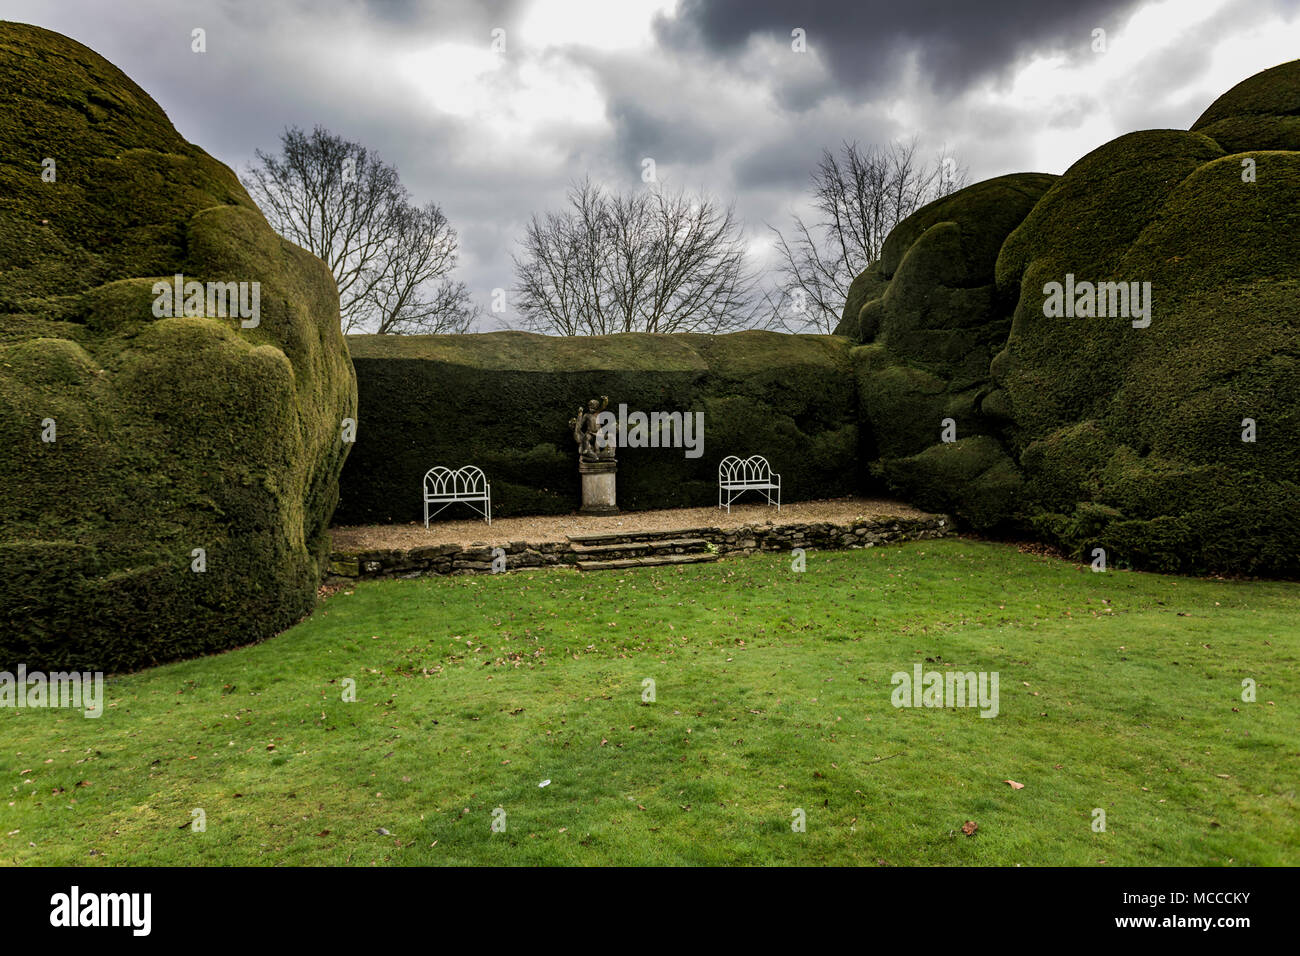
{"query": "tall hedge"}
(931, 318)
(502, 401)
(1131, 439)
(1087, 430)
(170, 434)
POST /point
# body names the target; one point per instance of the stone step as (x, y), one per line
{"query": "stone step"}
(621, 549)
(630, 537)
(652, 561)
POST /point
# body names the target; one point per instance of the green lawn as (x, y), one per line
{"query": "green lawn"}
(1119, 691)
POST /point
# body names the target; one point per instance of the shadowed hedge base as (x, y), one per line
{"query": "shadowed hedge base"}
(502, 401)
(1088, 431)
(174, 433)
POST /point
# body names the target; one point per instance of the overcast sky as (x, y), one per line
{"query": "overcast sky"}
(712, 91)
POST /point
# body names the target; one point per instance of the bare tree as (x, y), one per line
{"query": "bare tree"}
(644, 261)
(860, 195)
(391, 260)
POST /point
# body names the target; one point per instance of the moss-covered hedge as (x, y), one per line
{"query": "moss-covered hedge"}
(1131, 438)
(171, 434)
(1260, 112)
(503, 400)
(932, 319)
(1088, 430)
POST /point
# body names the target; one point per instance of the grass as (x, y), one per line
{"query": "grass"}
(1119, 691)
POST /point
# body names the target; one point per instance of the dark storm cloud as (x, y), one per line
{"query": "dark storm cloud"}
(866, 42)
(642, 130)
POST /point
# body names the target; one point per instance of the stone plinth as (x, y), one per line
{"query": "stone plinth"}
(598, 497)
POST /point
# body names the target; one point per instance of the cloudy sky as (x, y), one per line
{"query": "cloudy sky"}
(712, 90)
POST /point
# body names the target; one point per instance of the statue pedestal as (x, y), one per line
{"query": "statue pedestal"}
(598, 487)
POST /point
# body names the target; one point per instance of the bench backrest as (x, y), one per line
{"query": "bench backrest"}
(733, 470)
(468, 481)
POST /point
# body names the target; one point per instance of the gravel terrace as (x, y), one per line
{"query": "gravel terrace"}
(538, 529)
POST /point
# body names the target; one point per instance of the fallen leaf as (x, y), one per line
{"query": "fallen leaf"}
(1014, 785)
(969, 827)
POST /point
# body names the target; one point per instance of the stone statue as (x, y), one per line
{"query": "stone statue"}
(594, 444)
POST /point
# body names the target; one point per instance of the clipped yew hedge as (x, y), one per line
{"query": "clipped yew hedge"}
(502, 401)
(1088, 431)
(170, 434)
(930, 317)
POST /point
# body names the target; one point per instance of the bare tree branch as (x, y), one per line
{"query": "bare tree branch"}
(391, 260)
(860, 195)
(647, 261)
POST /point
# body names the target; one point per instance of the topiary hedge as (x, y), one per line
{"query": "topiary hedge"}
(170, 434)
(934, 323)
(1131, 438)
(1091, 431)
(502, 401)
(1260, 112)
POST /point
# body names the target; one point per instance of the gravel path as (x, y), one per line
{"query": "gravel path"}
(542, 528)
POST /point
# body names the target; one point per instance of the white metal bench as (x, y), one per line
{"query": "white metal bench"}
(467, 486)
(738, 475)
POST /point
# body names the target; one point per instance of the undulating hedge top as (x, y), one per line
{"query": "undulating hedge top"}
(1261, 112)
(502, 401)
(1089, 430)
(933, 325)
(170, 434)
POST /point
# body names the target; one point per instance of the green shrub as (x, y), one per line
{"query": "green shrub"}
(171, 433)
(971, 477)
(933, 327)
(1148, 421)
(1088, 430)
